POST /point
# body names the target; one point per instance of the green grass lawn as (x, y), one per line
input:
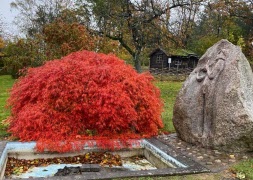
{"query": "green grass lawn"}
(169, 90)
(6, 83)
(244, 169)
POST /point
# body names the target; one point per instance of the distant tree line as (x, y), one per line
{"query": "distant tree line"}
(131, 29)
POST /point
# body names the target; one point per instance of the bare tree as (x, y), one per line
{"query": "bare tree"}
(34, 14)
(184, 20)
(134, 23)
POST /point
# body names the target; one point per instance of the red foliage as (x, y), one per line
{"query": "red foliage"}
(84, 96)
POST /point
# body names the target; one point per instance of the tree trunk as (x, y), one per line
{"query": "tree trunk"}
(137, 63)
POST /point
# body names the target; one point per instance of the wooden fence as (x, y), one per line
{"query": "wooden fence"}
(171, 74)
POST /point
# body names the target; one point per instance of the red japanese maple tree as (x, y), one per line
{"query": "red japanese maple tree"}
(84, 96)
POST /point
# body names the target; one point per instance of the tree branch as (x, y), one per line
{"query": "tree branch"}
(241, 16)
(120, 39)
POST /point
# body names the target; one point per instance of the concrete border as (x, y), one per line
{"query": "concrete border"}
(184, 164)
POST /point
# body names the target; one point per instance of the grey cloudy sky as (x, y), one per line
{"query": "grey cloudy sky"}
(7, 15)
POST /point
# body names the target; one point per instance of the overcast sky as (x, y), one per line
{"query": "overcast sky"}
(7, 15)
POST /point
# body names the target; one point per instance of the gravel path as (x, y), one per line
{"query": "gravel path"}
(216, 161)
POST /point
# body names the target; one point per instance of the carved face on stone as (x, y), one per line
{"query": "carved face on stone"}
(208, 74)
(212, 68)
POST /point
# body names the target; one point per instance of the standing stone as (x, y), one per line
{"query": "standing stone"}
(214, 108)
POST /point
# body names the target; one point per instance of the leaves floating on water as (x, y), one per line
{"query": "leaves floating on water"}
(19, 166)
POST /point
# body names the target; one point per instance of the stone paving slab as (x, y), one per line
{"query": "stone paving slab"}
(90, 168)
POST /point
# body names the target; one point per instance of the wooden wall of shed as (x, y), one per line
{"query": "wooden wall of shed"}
(153, 60)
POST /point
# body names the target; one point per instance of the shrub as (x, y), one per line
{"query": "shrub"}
(83, 96)
(21, 54)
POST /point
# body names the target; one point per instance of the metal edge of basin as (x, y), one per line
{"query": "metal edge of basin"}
(184, 164)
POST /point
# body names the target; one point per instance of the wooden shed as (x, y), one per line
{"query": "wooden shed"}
(180, 59)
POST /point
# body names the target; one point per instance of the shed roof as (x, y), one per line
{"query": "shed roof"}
(182, 52)
(158, 49)
(176, 52)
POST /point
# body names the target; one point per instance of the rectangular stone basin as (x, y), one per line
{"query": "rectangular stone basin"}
(164, 160)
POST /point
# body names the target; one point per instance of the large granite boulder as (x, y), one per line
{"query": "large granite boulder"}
(214, 108)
